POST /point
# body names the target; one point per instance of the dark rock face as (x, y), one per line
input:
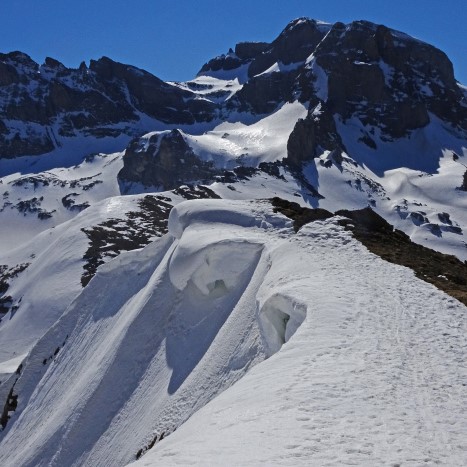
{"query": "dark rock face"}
(152, 96)
(463, 187)
(263, 94)
(317, 130)
(384, 78)
(224, 62)
(86, 101)
(388, 81)
(294, 44)
(244, 53)
(249, 50)
(164, 160)
(302, 144)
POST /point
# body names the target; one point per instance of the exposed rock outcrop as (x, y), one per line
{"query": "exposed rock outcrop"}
(294, 44)
(316, 131)
(105, 99)
(249, 50)
(163, 160)
(387, 81)
(463, 187)
(263, 94)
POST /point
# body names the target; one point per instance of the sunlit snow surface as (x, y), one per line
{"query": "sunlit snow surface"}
(371, 372)
(375, 375)
(246, 140)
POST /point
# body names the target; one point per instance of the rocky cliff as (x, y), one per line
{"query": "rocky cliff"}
(360, 74)
(42, 104)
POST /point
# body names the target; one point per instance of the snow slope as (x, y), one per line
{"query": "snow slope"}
(363, 377)
(52, 280)
(375, 375)
(71, 199)
(412, 182)
(425, 205)
(244, 139)
(61, 193)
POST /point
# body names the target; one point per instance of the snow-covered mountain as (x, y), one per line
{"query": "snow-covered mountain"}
(225, 277)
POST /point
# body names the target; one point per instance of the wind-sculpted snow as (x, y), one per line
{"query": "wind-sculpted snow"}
(68, 247)
(217, 212)
(134, 359)
(375, 374)
(158, 333)
(280, 316)
(207, 268)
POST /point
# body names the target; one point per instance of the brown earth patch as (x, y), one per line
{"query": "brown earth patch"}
(446, 272)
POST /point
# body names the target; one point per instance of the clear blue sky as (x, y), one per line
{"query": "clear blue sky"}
(172, 39)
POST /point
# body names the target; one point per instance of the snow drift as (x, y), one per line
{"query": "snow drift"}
(160, 332)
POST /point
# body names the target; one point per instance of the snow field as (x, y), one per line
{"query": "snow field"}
(51, 282)
(375, 375)
(240, 142)
(366, 361)
(140, 360)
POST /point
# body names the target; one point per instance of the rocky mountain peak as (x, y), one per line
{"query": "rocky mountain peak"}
(163, 160)
(389, 82)
(53, 64)
(364, 70)
(294, 44)
(53, 102)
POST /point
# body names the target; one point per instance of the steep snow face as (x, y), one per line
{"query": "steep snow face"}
(321, 83)
(372, 376)
(428, 207)
(54, 254)
(243, 139)
(43, 291)
(160, 332)
(140, 358)
(421, 150)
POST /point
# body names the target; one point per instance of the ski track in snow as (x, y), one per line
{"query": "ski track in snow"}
(373, 375)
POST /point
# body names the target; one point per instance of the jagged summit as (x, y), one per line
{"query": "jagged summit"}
(360, 69)
(364, 86)
(294, 43)
(384, 78)
(43, 106)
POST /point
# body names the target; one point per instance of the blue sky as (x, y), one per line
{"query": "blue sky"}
(172, 39)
